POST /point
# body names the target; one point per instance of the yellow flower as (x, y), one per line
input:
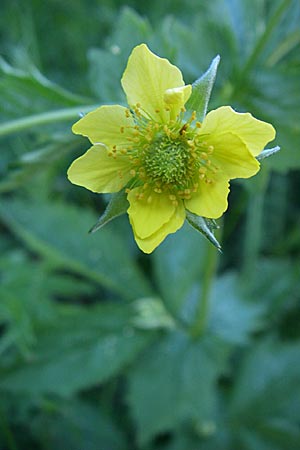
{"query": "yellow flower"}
(167, 161)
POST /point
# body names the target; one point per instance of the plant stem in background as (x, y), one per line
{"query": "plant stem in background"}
(14, 126)
(202, 309)
(262, 41)
(7, 433)
(253, 231)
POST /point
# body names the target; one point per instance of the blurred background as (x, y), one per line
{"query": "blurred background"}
(95, 347)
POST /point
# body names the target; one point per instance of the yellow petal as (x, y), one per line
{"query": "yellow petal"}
(210, 200)
(146, 79)
(149, 213)
(108, 125)
(176, 221)
(232, 156)
(255, 133)
(98, 172)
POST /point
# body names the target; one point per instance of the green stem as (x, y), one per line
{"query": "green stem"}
(264, 38)
(14, 126)
(254, 225)
(202, 310)
(7, 433)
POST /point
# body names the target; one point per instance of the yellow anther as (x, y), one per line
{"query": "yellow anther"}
(193, 116)
(158, 190)
(198, 125)
(157, 111)
(172, 197)
(203, 155)
(187, 191)
(210, 149)
(127, 113)
(120, 174)
(123, 151)
(122, 129)
(132, 172)
(127, 190)
(109, 153)
(175, 203)
(202, 170)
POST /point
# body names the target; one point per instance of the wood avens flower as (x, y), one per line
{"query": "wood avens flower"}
(166, 160)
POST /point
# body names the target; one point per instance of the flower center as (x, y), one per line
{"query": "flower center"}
(166, 160)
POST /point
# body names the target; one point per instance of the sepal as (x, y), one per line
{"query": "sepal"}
(204, 226)
(117, 206)
(201, 90)
(267, 152)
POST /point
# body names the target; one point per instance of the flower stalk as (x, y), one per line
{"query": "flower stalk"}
(203, 306)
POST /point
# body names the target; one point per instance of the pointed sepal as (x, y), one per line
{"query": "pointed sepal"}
(267, 152)
(201, 90)
(205, 226)
(117, 206)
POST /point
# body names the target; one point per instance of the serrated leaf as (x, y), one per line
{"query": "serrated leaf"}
(24, 93)
(202, 89)
(174, 382)
(117, 206)
(59, 232)
(82, 348)
(205, 226)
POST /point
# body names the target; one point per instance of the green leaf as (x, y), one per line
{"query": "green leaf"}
(117, 206)
(202, 89)
(151, 314)
(266, 398)
(173, 382)
(59, 232)
(75, 424)
(81, 349)
(233, 318)
(24, 93)
(205, 226)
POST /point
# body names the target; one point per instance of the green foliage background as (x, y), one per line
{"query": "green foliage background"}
(96, 346)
